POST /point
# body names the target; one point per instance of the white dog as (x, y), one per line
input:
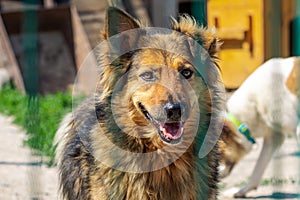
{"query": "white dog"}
(267, 102)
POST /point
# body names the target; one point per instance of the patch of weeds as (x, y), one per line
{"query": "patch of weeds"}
(222, 186)
(240, 184)
(277, 181)
(274, 181)
(39, 116)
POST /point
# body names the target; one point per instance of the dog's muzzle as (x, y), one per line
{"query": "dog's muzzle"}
(170, 124)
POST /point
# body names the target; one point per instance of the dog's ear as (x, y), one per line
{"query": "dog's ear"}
(118, 21)
(206, 37)
(213, 46)
(292, 82)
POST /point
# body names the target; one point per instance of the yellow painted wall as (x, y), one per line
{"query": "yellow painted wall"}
(240, 25)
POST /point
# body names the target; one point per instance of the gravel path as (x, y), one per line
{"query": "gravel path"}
(280, 181)
(22, 176)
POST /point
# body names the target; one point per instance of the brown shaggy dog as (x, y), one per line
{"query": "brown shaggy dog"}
(140, 137)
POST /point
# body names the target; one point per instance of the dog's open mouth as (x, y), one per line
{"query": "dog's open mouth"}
(169, 132)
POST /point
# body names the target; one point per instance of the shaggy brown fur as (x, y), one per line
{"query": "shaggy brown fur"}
(131, 118)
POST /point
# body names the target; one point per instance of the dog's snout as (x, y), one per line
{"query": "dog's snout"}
(174, 111)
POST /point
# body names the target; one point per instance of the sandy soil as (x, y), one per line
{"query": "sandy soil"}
(280, 181)
(22, 175)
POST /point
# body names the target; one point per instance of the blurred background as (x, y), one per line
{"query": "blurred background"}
(45, 40)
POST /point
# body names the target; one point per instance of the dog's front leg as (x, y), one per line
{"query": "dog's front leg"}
(298, 133)
(271, 143)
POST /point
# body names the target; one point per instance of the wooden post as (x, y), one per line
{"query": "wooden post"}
(30, 46)
(199, 11)
(13, 67)
(86, 76)
(296, 32)
(273, 19)
(162, 10)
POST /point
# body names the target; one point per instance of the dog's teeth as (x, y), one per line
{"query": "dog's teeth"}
(164, 131)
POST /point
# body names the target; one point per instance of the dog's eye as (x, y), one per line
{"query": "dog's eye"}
(148, 76)
(187, 73)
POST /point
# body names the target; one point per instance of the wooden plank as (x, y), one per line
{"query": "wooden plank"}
(56, 57)
(13, 67)
(288, 13)
(85, 62)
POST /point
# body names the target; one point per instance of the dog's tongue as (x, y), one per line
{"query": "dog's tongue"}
(172, 130)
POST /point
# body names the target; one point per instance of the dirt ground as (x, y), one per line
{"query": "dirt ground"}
(23, 176)
(280, 181)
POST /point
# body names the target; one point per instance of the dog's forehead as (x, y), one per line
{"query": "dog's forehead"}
(158, 58)
(173, 42)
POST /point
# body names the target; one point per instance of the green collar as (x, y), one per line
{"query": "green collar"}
(233, 119)
(242, 127)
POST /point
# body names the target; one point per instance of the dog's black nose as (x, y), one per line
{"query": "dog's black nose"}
(173, 111)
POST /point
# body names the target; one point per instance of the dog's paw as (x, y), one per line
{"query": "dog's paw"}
(243, 191)
(229, 193)
(239, 194)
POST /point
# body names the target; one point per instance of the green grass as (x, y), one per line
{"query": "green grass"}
(222, 186)
(39, 116)
(277, 181)
(274, 181)
(240, 184)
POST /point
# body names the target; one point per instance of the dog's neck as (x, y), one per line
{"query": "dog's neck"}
(185, 177)
(242, 127)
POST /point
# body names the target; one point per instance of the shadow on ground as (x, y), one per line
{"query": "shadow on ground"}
(277, 195)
